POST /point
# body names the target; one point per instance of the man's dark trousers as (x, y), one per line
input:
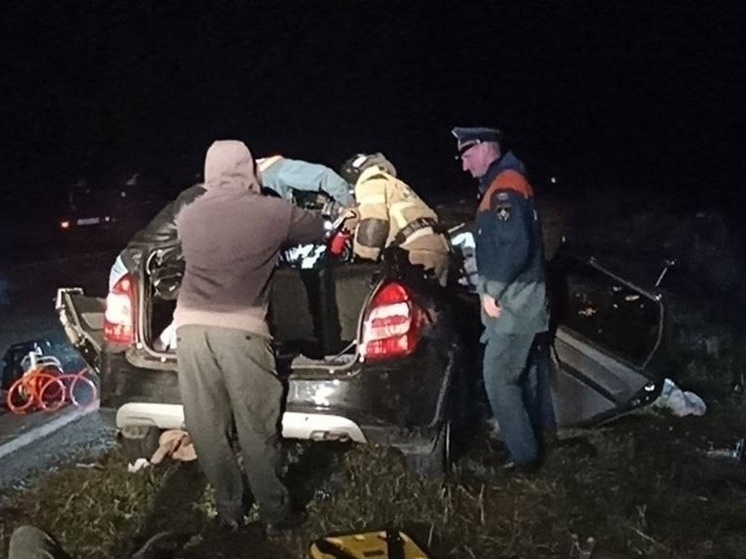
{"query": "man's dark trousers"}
(516, 376)
(228, 377)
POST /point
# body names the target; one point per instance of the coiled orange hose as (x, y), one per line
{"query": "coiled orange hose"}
(48, 389)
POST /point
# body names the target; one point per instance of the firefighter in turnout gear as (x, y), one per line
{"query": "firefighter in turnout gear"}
(391, 213)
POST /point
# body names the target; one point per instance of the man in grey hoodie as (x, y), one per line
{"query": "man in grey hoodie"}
(230, 238)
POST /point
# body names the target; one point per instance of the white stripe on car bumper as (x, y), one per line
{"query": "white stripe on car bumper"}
(295, 425)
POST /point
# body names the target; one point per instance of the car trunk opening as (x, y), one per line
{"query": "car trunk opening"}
(312, 313)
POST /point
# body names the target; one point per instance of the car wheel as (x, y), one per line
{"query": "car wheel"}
(433, 459)
(139, 442)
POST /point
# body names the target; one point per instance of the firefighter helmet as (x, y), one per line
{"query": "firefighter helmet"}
(355, 165)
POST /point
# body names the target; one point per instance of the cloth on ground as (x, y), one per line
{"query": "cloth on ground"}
(175, 443)
(678, 402)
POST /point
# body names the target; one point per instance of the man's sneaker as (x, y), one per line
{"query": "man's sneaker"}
(493, 429)
(291, 522)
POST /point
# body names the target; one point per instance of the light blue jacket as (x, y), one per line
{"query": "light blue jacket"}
(285, 175)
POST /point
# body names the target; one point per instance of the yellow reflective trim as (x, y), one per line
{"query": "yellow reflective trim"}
(397, 212)
(370, 199)
(424, 232)
(369, 172)
(371, 253)
(266, 162)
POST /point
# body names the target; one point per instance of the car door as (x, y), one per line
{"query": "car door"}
(608, 332)
(608, 338)
(82, 317)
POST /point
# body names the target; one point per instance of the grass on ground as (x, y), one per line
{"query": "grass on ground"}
(643, 486)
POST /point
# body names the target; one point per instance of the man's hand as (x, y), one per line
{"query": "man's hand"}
(348, 213)
(336, 210)
(331, 209)
(350, 218)
(491, 307)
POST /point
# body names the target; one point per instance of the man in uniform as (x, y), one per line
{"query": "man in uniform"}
(511, 285)
(227, 373)
(391, 213)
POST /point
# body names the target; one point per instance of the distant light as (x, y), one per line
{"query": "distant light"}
(65, 224)
(553, 180)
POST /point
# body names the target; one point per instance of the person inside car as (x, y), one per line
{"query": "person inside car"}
(390, 213)
(288, 176)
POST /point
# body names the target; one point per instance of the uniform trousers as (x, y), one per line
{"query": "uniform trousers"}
(516, 380)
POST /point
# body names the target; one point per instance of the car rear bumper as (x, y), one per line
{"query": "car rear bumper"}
(295, 425)
(376, 403)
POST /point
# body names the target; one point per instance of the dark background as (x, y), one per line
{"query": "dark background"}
(609, 95)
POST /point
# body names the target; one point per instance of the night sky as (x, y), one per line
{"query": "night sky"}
(643, 94)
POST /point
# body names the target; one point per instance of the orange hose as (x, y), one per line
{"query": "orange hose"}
(47, 388)
(26, 401)
(75, 378)
(54, 401)
(40, 388)
(28, 389)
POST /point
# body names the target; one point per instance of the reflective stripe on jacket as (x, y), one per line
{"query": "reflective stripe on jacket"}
(386, 205)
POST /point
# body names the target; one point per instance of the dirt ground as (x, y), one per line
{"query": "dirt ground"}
(647, 485)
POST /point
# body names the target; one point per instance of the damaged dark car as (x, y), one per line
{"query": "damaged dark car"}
(376, 353)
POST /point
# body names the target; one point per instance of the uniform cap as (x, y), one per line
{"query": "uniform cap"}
(469, 136)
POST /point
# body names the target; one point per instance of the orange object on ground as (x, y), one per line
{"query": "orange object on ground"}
(175, 443)
(46, 388)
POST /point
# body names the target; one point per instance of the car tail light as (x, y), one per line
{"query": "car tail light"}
(119, 318)
(393, 324)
